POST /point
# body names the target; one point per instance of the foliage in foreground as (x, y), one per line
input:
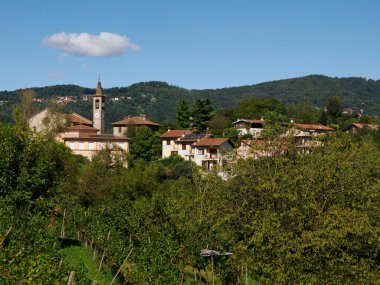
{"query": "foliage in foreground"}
(291, 219)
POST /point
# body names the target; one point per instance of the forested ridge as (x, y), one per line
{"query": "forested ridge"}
(288, 219)
(159, 99)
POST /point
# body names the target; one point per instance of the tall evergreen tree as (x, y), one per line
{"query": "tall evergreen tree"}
(183, 114)
(334, 108)
(201, 114)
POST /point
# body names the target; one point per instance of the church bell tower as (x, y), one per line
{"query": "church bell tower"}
(98, 108)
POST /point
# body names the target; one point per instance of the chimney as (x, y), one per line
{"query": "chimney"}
(143, 117)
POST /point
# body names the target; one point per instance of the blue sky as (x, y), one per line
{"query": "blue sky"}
(195, 44)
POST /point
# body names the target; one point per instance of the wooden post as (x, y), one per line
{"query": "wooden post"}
(212, 269)
(63, 224)
(101, 262)
(5, 236)
(117, 273)
(71, 278)
(182, 278)
(18, 253)
(94, 255)
(246, 275)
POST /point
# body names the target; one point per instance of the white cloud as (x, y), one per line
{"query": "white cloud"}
(84, 44)
(56, 75)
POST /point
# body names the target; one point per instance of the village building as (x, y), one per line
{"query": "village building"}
(203, 149)
(120, 128)
(185, 143)
(169, 145)
(354, 127)
(249, 126)
(82, 136)
(308, 136)
(212, 152)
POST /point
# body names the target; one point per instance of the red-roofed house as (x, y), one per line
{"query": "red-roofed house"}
(307, 135)
(120, 127)
(185, 144)
(169, 146)
(357, 126)
(211, 152)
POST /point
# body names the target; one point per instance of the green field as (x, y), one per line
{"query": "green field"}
(80, 259)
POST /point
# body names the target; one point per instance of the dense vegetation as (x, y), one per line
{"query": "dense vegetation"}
(292, 219)
(159, 99)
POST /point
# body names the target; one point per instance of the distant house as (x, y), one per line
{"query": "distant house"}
(40, 121)
(358, 126)
(211, 152)
(185, 143)
(85, 141)
(169, 146)
(308, 135)
(120, 128)
(311, 129)
(249, 126)
(203, 149)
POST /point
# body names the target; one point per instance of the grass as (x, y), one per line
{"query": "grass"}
(77, 256)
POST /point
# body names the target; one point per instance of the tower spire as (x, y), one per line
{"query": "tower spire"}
(99, 89)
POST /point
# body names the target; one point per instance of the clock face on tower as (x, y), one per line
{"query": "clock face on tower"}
(96, 115)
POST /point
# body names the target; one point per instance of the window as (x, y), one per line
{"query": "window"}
(97, 104)
(81, 146)
(91, 146)
(200, 151)
(183, 147)
(102, 145)
(72, 145)
(119, 130)
(168, 142)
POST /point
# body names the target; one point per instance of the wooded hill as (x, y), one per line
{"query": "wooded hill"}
(159, 99)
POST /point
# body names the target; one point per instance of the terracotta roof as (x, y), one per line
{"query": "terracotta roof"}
(135, 120)
(77, 119)
(82, 128)
(313, 127)
(361, 126)
(211, 142)
(175, 133)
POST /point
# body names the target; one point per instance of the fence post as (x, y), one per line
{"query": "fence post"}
(71, 278)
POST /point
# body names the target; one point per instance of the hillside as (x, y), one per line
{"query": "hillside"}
(159, 99)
